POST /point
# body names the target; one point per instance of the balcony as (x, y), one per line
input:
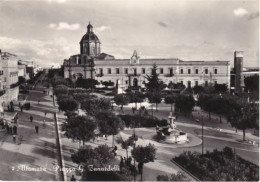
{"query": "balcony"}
(2, 92)
(169, 75)
(99, 75)
(14, 85)
(132, 74)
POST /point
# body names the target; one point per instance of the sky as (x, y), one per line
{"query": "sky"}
(49, 31)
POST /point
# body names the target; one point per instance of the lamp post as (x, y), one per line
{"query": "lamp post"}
(202, 125)
(134, 164)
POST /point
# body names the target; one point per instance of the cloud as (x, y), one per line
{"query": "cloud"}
(253, 15)
(240, 12)
(103, 28)
(64, 26)
(162, 24)
(41, 52)
(58, 1)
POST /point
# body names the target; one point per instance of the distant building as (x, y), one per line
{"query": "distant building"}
(10, 77)
(22, 70)
(91, 63)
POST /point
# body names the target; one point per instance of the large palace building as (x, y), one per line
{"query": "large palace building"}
(91, 63)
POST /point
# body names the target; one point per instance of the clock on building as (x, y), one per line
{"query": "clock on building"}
(134, 59)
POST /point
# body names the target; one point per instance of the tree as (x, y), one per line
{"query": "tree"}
(206, 102)
(121, 99)
(153, 84)
(135, 97)
(86, 83)
(125, 144)
(93, 105)
(109, 124)
(79, 128)
(21, 80)
(252, 83)
(170, 100)
(144, 154)
(220, 87)
(198, 89)
(243, 116)
(98, 157)
(67, 104)
(155, 97)
(61, 89)
(185, 103)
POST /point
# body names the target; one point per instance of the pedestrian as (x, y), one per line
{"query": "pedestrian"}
(39, 101)
(19, 104)
(44, 122)
(72, 178)
(14, 138)
(37, 129)
(15, 130)
(140, 167)
(133, 110)
(31, 118)
(129, 161)
(115, 150)
(121, 164)
(21, 108)
(7, 128)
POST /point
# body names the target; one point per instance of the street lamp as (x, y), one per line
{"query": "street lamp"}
(202, 124)
(134, 161)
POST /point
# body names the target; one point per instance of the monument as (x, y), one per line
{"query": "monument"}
(170, 133)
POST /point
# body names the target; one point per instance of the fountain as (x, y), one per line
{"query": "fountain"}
(170, 133)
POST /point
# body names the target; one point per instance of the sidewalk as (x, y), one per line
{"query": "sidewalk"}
(36, 151)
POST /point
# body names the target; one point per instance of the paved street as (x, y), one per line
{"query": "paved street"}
(37, 151)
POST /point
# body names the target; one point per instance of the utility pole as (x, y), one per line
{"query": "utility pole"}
(202, 125)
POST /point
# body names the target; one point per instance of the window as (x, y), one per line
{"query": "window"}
(161, 71)
(117, 70)
(171, 71)
(109, 70)
(181, 71)
(135, 72)
(79, 60)
(206, 71)
(196, 83)
(206, 83)
(216, 71)
(188, 71)
(126, 82)
(85, 59)
(101, 71)
(197, 71)
(126, 71)
(143, 70)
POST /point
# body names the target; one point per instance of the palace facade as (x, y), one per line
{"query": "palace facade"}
(91, 63)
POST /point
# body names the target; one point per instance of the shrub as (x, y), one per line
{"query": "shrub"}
(218, 166)
(142, 121)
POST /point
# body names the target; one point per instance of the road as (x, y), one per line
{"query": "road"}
(36, 151)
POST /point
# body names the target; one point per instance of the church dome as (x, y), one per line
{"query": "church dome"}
(90, 36)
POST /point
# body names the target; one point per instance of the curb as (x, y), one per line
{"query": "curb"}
(194, 178)
(60, 151)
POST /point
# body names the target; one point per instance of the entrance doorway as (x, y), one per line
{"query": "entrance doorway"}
(135, 82)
